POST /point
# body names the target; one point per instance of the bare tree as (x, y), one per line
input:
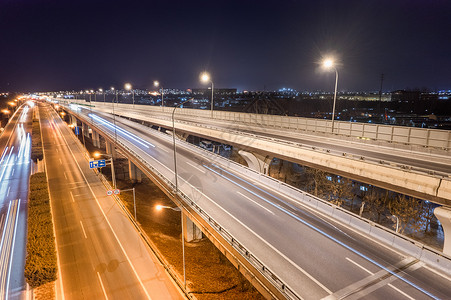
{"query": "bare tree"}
(341, 189)
(406, 209)
(317, 181)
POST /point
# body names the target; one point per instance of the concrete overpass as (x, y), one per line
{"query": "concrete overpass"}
(266, 228)
(411, 161)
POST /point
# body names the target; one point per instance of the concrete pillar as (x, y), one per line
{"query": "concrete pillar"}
(73, 120)
(256, 161)
(85, 129)
(110, 149)
(443, 214)
(190, 230)
(134, 172)
(95, 139)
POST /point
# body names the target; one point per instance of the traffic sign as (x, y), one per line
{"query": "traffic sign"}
(97, 163)
(109, 192)
(117, 191)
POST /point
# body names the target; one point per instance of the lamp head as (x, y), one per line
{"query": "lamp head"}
(128, 86)
(205, 77)
(156, 83)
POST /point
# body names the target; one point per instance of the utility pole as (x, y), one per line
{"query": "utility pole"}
(380, 95)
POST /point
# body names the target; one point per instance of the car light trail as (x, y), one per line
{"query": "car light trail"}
(123, 131)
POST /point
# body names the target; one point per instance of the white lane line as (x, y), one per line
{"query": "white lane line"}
(195, 167)
(265, 242)
(65, 176)
(57, 150)
(162, 149)
(72, 196)
(255, 202)
(12, 246)
(371, 273)
(106, 219)
(83, 228)
(101, 284)
(12, 173)
(9, 189)
(61, 162)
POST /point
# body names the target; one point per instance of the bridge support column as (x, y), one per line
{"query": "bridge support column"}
(134, 172)
(73, 120)
(85, 129)
(110, 149)
(190, 230)
(256, 161)
(95, 139)
(443, 214)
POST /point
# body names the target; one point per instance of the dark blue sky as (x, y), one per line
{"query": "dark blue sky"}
(68, 44)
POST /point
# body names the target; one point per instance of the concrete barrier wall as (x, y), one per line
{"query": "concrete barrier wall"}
(396, 134)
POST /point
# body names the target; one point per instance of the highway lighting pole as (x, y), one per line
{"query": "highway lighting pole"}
(159, 208)
(329, 64)
(175, 147)
(114, 119)
(157, 84)
(134, 199)
(205, 78)
(101, 90)
(128, 87)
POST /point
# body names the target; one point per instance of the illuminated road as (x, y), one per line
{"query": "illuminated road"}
(315, 256)
(100, 253)
(15, 146)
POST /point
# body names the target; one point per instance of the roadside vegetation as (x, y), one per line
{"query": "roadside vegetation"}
(41, 263)
(36, 142)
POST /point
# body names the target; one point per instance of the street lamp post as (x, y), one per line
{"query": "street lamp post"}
(114, 118)
(175, 147)
(101, 90)
(128, 87)
(160, 207)
(157, 84)
(205, 78)
(329, 64)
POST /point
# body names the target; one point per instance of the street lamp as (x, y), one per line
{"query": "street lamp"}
(159, 208)
(157, 84)
(128, 87)
(114, 118)
(101, 90)
(330, 64)
(5, 111)
(205, 78)
(110, 160)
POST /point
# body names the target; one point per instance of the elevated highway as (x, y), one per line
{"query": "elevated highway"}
(417, 164)
(286, 248)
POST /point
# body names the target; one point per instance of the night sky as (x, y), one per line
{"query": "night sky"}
(249, 45)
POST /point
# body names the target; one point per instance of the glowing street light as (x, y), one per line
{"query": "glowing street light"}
(157, 84)
(128, 87)
(330, 64)
(110, 160)
(101, 90)
(205, 78)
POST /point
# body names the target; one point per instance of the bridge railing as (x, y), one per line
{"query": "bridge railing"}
(424, 137)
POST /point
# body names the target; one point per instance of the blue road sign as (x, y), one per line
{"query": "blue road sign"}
(97, 163)
(77, 130)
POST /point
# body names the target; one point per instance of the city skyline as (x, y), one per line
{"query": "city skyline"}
(54, 45)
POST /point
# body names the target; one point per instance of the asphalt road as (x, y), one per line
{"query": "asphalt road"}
(314, 255)
(100, 253)
(15, 166)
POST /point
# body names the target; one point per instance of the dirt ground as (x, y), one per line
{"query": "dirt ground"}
(209, 274)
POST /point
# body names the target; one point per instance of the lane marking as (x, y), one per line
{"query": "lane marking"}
(61, 162)
(83, 228)
(104, 215)
(9, 189)
(101, 284)
(371, 273)
(336, 240)
(72, 196)
(65, 176)
(255, 202)
(266, 242)
(17, 203)
(196, 167)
